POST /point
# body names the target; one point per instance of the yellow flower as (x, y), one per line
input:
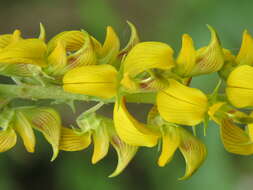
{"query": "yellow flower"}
(94, 80)
(24, 120)
(193, 150)
(181, 104)
(130, 130)
(239, 88)
(71, 49)
(103, 134)
(205, 60)
(148, 55)
(175, 137)
(143, 57)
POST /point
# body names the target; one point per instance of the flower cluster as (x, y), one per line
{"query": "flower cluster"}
(73, 65)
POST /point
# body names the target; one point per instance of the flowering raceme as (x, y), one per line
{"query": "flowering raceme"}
(75, 66)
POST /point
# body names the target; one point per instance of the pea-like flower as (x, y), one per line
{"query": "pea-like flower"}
(72, 49)
(101, 131)
(193, 150)
(208, 59)
(174, 137)
(74, 66)
(144, 57)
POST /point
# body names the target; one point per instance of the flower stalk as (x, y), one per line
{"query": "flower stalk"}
(74, 66)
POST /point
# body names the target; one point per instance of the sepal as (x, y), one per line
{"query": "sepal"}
(133, 40)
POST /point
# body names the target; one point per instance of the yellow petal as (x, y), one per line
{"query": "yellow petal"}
(171, 141)
(85, 56)
(29, 51)
(42, 35)
(96, 45)
(210, 58)
(74, 40)
(101, 143)
(8, 139)
(194, 152)
(95, 80)
(16, 36)
(125, 154)
(245, 56)
(148, 55)
(181, 104)
(235, 140)
(71, 141)
(24, 129)
(110, 49)
(129, 129)
(187, 57)
(57, 60)
(129, 84)
(48, 122)
(240, 86)
(134, 39)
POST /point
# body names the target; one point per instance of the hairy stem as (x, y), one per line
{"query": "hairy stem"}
(33, 92)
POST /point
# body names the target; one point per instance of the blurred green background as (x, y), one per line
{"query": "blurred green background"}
(156, 20)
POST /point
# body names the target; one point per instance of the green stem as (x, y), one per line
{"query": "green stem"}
(34, 92)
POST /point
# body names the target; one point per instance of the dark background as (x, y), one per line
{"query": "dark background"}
(156, 20)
